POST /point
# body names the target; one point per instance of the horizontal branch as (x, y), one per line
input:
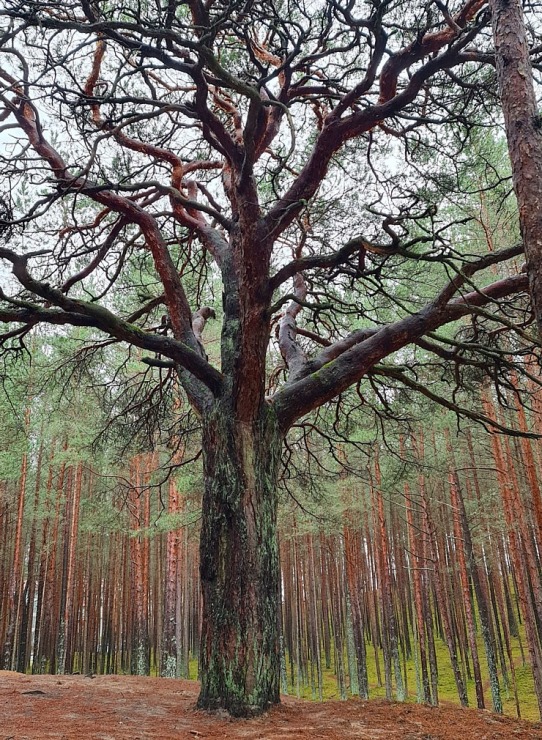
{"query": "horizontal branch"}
(101, 318)
(335, 349)
(154, 362)
(334, 377)
(179, 198)
(326, 260)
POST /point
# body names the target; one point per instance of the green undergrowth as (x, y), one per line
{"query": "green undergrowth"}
(446, 683)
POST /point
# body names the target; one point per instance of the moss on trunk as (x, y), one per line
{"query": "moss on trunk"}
(240, 656)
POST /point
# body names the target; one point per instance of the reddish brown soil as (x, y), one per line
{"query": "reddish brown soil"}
(133, 708)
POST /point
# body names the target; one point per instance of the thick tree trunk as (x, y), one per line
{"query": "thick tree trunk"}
(523, 131)
(239, 655)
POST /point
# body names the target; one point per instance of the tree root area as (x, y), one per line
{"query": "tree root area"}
(133, 708)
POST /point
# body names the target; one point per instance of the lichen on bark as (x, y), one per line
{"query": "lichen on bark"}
(240, 655)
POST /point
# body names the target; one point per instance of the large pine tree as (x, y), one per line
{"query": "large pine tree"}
(153, 150)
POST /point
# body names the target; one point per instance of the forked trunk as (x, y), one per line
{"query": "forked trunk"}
(239, 656)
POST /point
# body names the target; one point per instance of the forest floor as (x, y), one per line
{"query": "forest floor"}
(133, 708)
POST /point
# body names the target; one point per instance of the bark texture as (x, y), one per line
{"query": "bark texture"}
(240, 659)
(523, 124)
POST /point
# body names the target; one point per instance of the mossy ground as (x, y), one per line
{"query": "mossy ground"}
(446, 684)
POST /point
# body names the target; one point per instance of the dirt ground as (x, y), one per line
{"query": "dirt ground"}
(133, 708)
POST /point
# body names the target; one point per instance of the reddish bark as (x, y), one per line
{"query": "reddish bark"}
(529, 464)
(416, 565)
(523, 132)
(463, 574)
(517, 554)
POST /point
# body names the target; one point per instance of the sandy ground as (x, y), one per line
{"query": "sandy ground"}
(133, 708)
